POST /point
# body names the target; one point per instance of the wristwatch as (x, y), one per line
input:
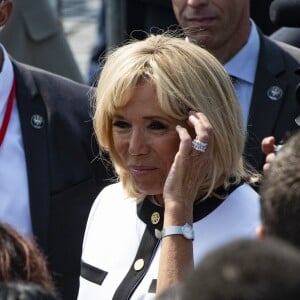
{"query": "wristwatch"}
(186, 231)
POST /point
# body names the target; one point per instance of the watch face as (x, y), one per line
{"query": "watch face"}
(188, 232)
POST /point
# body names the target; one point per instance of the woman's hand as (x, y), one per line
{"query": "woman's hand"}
(188, 171)
(180, 191)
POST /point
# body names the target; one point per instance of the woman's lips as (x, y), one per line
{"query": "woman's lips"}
(141, 170)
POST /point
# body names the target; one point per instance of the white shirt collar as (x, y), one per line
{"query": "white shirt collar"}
(240, 65)
(6, 79)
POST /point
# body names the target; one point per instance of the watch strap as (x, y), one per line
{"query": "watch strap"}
(186, 231)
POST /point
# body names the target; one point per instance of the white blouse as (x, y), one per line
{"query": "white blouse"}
(121, 254)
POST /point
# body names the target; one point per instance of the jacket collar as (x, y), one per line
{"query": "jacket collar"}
(33, 119)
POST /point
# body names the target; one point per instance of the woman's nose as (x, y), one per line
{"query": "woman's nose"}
(138, 143)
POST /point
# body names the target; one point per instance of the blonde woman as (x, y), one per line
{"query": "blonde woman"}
(167, 115)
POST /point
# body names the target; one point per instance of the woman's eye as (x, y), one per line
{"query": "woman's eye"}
(121, 124)
(157, 125)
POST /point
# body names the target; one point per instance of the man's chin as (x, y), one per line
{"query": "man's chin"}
(202, 38)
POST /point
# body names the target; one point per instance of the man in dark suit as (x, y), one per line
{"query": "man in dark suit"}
(49, 174)
(265, 72)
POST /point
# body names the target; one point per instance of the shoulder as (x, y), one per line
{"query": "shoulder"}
(65, 104)
(115, 189)
(289, 49)
(51, 79)
(110, 196)
(286, 50)
(246, 190)
(279, 60)
(109, 199)
(243, 198)
(53, 88)
(112, 203)
(242, 203)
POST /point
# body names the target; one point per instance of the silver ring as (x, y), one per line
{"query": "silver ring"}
(199, 146)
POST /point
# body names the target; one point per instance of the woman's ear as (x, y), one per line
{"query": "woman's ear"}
(261, 231)
(6, 8)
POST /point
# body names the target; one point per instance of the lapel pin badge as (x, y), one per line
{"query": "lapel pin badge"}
(275, 93)
(37, 121)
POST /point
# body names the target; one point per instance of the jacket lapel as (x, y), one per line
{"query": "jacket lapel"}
(268, 95)
(33, 118)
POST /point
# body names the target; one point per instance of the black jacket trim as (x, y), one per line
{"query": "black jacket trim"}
(152, 287)
(146, 252)
(147, 208)
(92, 273)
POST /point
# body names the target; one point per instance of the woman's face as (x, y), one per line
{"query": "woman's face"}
(146, 139)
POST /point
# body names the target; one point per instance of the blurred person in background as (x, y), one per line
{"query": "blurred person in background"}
(141, 17)
(22, 260)
(258, 269)
(34, 35)
(285, 14)
(18, 290)
(264, 72)
(48, 168)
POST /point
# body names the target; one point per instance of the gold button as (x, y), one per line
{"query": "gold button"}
(155, 218)
(139, 264)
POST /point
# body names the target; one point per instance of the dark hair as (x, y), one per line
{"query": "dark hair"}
(257, 269)
(280, 193)
(24, 291)
(21, 259)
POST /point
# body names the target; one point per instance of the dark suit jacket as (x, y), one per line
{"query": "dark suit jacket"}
(277, 67)
(64, 177)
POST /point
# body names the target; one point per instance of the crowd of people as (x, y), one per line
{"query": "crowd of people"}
(172, 174)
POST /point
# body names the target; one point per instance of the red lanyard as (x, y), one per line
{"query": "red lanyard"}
(8, 111)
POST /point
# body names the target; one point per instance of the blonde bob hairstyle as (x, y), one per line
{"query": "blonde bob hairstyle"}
(186, 77)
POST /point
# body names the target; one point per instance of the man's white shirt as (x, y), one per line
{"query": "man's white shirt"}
(243, 67)
(14, 195)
